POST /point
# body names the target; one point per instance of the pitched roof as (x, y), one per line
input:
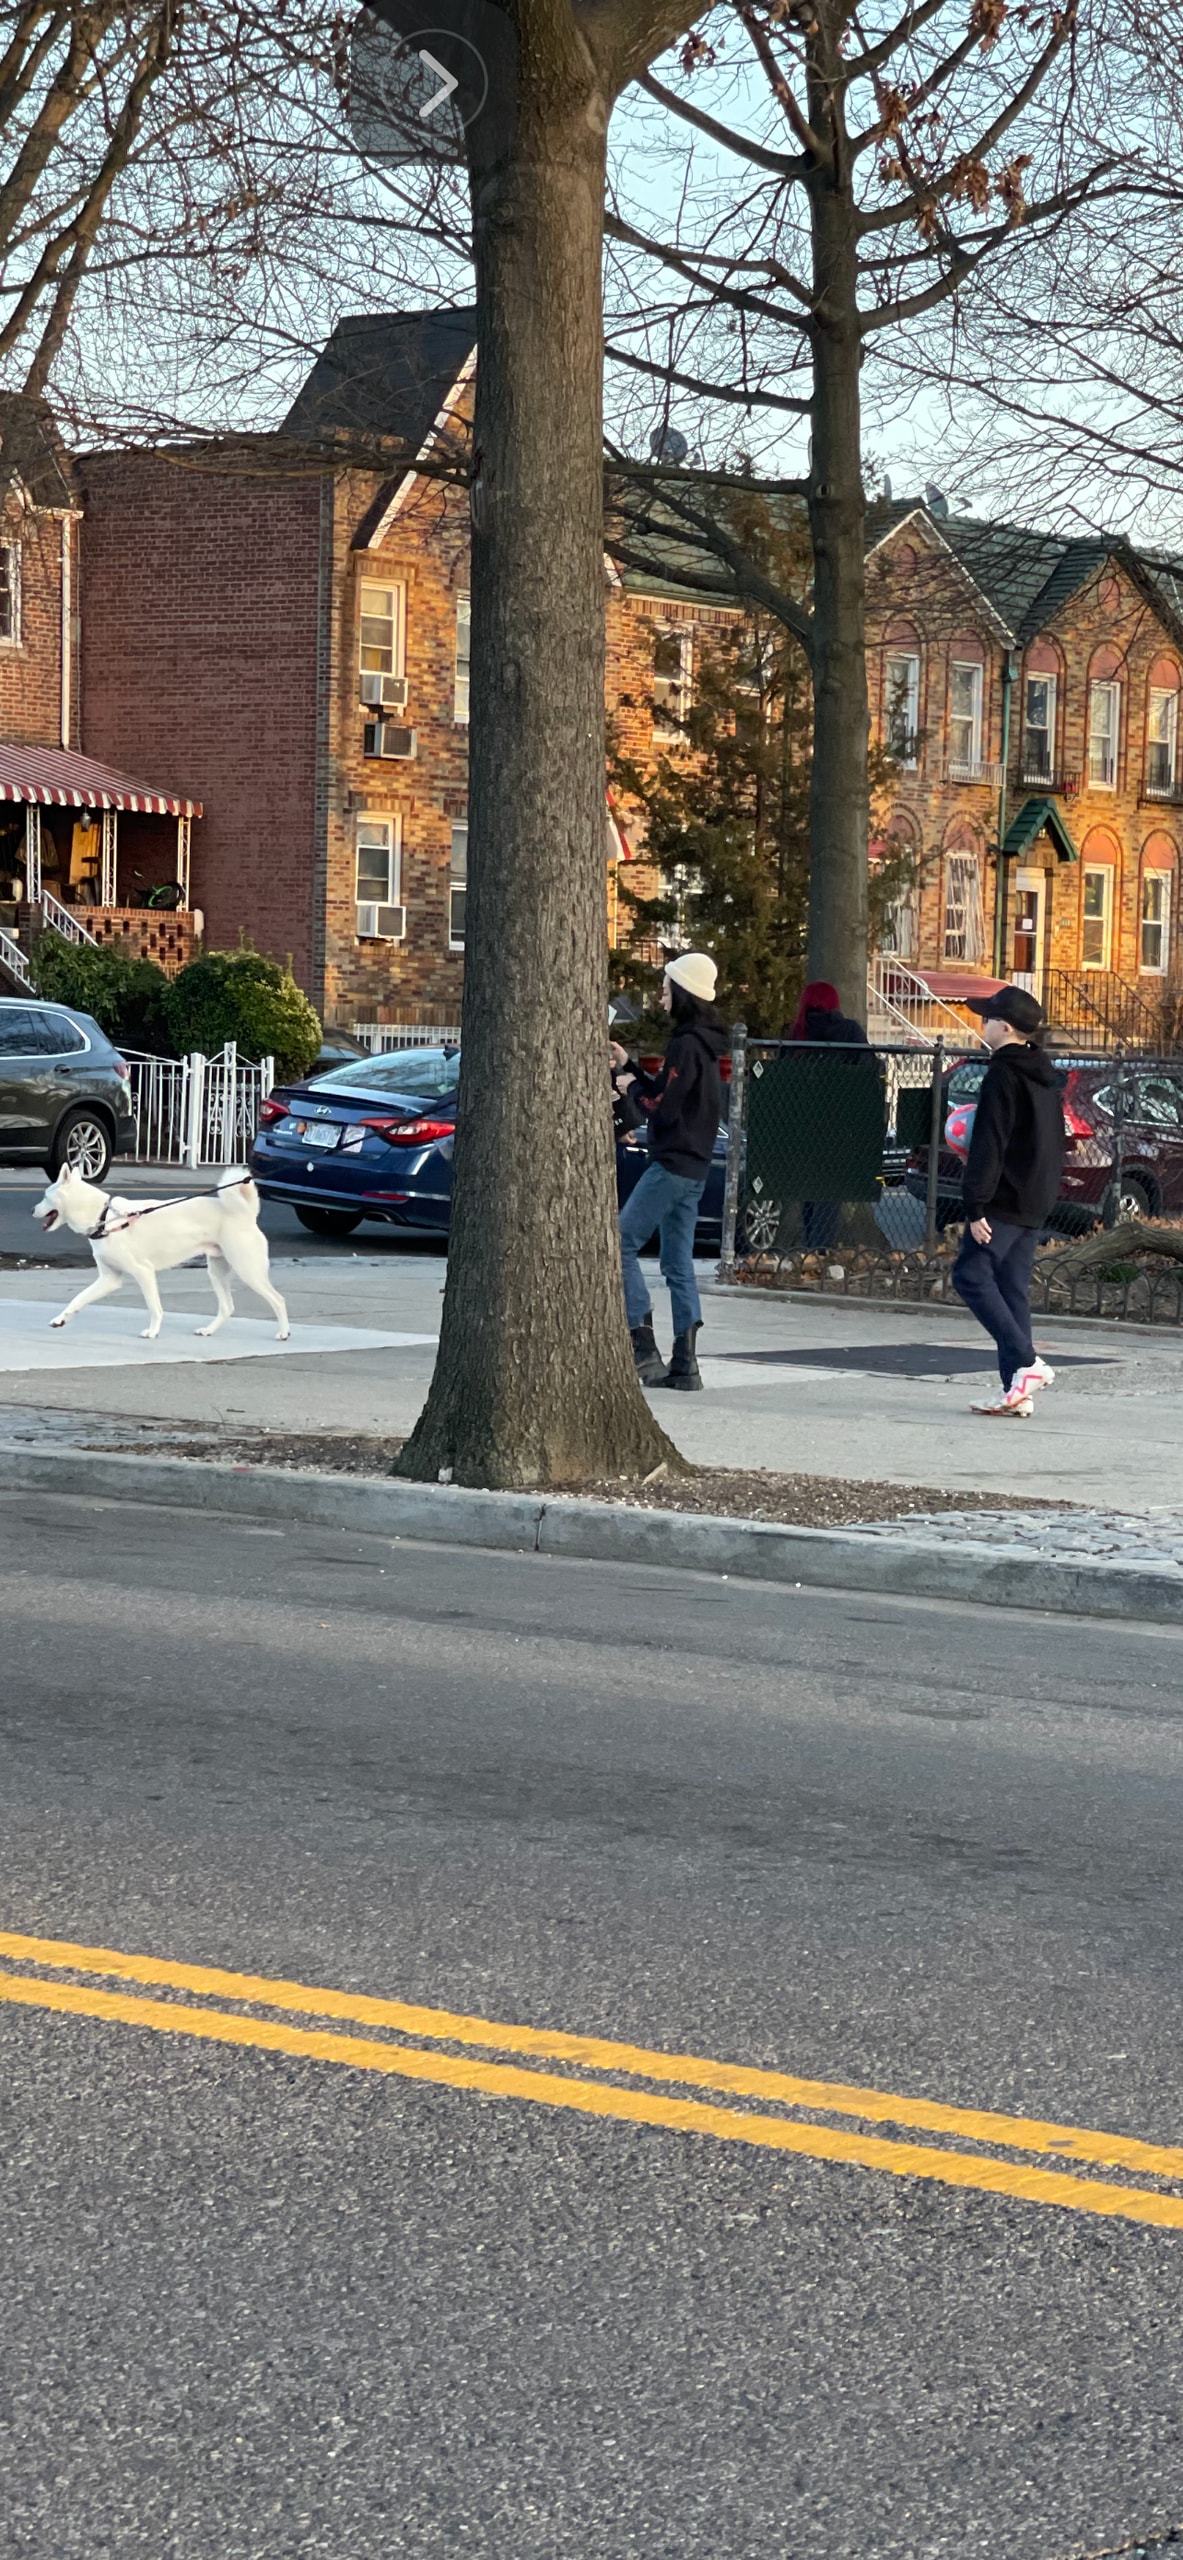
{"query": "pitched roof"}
(1027, 577)
(384, 374)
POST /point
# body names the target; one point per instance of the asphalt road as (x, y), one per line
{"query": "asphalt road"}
(267, 2302)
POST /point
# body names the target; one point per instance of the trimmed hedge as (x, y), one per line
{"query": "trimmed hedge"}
(237, 995)
(124, 996)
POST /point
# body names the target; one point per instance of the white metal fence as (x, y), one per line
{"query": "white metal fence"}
(381, 1036)
(197, 1110)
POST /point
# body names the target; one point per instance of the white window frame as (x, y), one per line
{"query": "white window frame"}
(901, 704)
(371, 654)
(672, 693)
(966, 667)
(457, 883)
(1105, 691)
(1097, 871)
(964, 918)
(899, 933)
(461, 658)
(1163, 708)
(1160, 924)
(1032, 773)
(392, 828)
(10, 552)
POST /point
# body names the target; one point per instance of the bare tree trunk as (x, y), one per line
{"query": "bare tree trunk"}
(535, 1382)
(838, 794)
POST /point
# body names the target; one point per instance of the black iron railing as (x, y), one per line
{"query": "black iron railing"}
(1095, 1006)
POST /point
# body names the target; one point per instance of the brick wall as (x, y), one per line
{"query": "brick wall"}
(424, 549)
(31, 666)
(199, 635)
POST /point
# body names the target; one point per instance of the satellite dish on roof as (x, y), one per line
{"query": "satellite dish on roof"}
(938, 504)
(668, 444)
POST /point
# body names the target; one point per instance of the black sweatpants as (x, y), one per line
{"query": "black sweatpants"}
(995, 1281)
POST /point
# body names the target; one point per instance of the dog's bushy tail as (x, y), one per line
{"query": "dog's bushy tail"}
(239, 1189)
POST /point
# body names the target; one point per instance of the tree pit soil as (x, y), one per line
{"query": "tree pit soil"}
(737, 1493)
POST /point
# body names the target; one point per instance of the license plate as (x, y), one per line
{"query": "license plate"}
(320, 1133)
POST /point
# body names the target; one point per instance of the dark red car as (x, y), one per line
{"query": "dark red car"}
(1117, 1113)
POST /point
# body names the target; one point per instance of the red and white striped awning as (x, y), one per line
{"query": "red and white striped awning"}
(57, 779)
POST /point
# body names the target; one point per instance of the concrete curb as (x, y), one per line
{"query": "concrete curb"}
(605, 1532)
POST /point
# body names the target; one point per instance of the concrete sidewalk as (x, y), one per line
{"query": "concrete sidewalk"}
(833, 1388)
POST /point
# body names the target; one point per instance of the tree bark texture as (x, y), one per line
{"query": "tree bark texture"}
(839, 797)
(535, 1382)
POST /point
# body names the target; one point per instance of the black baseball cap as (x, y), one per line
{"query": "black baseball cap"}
(1015, 1005)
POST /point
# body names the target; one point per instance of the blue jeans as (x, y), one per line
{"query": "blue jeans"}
(669, 1202)
(995, 1281)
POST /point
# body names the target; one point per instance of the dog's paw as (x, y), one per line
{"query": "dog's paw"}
(203, 1332)
(149, 1333)
(56, 1323)
(284, 1334)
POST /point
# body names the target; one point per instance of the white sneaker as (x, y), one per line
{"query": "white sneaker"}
(1040, 1373)
(1017, 1400)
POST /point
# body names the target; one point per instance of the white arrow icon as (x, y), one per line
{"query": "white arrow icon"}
(449, 83)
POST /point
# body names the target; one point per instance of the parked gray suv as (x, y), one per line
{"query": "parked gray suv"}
(65, 1092)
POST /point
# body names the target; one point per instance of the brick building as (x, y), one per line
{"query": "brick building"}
(290, 630)
(1028, 688)
(61, 812)
(282, 630)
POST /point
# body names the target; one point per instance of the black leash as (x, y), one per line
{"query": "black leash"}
(129, 1217)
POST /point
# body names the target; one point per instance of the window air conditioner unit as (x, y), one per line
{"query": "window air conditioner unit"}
(384, 692)
(381, 924)
(383, 739)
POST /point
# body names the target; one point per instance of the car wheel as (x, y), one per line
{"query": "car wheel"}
(1130, 1198)
(329, 1222)
(83, 1143)
(762, 1224)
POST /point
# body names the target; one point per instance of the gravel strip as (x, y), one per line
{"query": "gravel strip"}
(739, 1493)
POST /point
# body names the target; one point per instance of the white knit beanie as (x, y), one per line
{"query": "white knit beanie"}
(696, 972)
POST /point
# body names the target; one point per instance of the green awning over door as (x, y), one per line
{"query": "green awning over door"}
(1032, 819)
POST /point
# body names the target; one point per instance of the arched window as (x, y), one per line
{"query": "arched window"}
(1098, 883)
(1156, 905)
(967, 684)
(1040, 706)
(964, 933)
(1104, 732)
(901, 693)
(1162, 731)
(895, 887)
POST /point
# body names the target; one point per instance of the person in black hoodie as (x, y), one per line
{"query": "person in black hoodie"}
(683, 1106)
(1012, 1181)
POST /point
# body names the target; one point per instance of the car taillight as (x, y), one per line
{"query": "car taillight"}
(411, 1133)
(1074, 1126)
(270, 1111)
(122, 1069)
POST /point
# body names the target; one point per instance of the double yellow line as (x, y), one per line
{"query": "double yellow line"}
(967, 2159)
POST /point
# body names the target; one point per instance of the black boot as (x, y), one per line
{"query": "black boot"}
(649, 1362)
(683, 1369)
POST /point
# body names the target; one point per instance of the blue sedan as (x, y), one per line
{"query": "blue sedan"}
(374, 1140)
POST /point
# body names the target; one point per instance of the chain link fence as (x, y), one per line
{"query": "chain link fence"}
(845, 1167)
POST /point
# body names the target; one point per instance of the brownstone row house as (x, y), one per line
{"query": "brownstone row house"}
(1028, 689)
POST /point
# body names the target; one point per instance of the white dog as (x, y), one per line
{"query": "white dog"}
(134, 1239)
